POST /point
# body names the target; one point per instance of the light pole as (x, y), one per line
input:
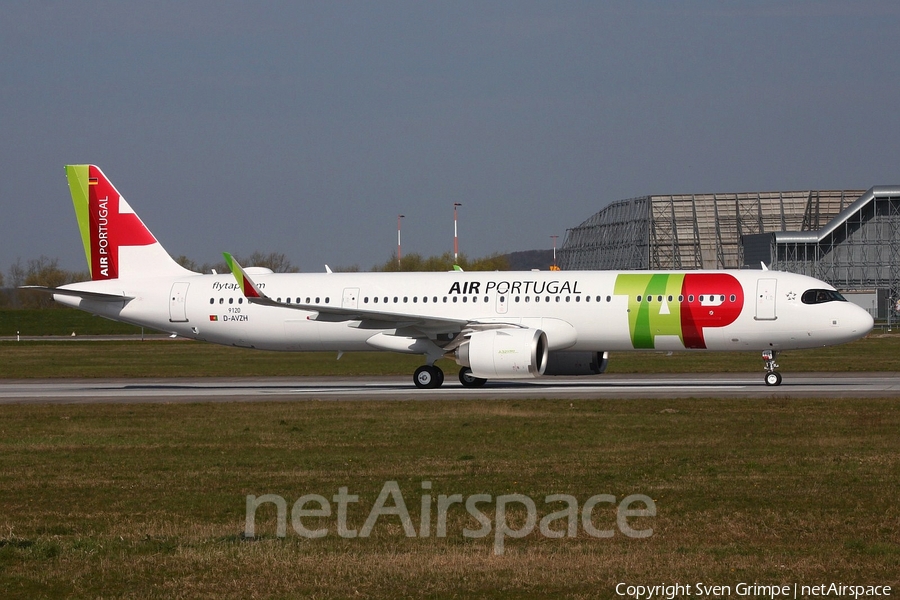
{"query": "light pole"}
(456, 205)
(553, 267)
(398, 240)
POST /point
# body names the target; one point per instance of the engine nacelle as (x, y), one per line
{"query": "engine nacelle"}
(505, 353)
(576, 363)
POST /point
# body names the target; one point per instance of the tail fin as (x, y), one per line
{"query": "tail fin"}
(117, 244)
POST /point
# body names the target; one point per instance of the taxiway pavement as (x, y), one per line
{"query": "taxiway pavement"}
(795, 385)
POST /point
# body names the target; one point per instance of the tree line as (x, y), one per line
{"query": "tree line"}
(46, 272)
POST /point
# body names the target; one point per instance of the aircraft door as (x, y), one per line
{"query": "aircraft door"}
(765, 299)
(177, 304)
(351, 298)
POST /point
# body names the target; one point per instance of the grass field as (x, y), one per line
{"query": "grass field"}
(59, 321)
(149, 501)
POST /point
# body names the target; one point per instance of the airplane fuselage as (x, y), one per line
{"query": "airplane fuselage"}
(578, 310)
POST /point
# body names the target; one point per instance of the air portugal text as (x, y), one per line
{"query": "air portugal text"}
(103, 234)
(515, 287)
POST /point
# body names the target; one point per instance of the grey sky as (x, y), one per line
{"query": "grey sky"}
(305, 128)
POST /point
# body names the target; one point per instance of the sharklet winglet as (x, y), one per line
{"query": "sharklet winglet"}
(250, 290)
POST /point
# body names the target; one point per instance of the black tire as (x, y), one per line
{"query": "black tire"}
(468, 380)
(428, 377)
(773, 378)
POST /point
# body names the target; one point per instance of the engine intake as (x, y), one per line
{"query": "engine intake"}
(505, 353)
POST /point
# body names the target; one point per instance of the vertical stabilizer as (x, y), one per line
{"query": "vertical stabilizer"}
(117, 244)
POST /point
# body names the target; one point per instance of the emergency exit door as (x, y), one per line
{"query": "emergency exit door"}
(351, 298)
(765, 299)
(177, 304)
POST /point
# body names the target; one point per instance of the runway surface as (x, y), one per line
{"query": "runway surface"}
(795, 385)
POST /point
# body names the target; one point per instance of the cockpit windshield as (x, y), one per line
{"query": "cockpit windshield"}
(821, 296)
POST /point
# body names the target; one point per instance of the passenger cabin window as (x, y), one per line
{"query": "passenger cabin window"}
(821, 296)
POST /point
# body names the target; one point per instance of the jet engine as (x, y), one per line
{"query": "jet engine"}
(576, 363)
(505, 353)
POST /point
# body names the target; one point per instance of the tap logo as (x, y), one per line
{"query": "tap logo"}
(678, 304)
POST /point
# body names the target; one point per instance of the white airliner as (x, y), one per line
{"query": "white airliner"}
(503, 325)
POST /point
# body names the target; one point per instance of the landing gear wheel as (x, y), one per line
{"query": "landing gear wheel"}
(428, 377)
(468, 380)
(773, 377)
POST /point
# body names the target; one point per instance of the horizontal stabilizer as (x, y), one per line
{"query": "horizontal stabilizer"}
(99, 296)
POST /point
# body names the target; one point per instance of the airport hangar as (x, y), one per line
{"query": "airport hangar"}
(849, 238)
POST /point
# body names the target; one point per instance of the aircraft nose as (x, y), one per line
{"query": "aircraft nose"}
(868, 322)
(859, 321)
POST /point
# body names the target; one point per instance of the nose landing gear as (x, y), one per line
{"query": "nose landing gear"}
(773, 377)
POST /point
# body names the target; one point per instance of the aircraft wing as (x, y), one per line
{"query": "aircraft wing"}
(369, 319)
(100, 296)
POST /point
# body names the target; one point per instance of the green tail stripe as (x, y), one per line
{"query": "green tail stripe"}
(239, 277)
(78, 176)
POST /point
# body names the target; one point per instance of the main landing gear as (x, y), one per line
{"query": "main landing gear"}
(468, 380)
(430, 377)
(773, 377)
